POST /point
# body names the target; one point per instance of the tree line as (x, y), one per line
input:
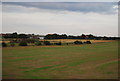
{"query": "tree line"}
(83, 36)
(57, 36)
(15, 35)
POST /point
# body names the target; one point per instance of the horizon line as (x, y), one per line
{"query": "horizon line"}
(58, 34)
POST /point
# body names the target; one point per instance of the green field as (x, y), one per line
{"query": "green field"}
(90, 61)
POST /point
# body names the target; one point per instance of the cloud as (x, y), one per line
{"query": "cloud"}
(43, 21)
(60, 1)
(84, 7)
(0, 17)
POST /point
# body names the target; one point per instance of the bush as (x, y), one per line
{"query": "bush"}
(58, 43)
(12, 44)
(23, 43)
(87, 42)
(14, 41)
(31, 40)
(67, 43)
(47, 43)
(78, 42)
(4, 44)
(38, 43)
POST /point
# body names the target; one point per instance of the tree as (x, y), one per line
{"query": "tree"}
(90, 36)
(83, 36)
(14, 35)
(22, 36)
(63, 36)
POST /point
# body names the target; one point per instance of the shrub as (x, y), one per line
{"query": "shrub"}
(67, 43)
(14, 41)
(12, 44)
(58, 43)
(4, 44)
(47, 43)
(78, 42)
(23, 43)
(31, 40)
(38, 43)
(87, 42)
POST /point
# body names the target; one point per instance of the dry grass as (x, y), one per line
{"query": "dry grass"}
(72, 40)
(5, 41)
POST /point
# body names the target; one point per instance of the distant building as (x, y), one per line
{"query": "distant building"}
(41, 36)
(36, 36)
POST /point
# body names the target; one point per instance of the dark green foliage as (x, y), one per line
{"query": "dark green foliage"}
(14, 35)
(78, 42)
(59, 43)
(22, 36)
(14, 41)
(56, 36)
(38, 43)
(67, 43)
(27, 40)
(31, 40)
(4, 44)
(87, 42)
(12, 44)
(47, 43)
(23, 43)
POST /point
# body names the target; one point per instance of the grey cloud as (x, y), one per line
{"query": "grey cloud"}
(60, 0)
(85, 7)
(37, 18)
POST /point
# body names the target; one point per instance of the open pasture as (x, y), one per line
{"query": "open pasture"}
(93, 61)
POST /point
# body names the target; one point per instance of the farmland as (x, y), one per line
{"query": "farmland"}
(66, 40)
(88, 61)
(63, 41)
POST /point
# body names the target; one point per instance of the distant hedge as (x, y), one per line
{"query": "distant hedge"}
(46, 43)
(38, 43)
(87, 42)
(78, 42)
(12, 44)
(4, 44)
(23, 43)
(59, 43)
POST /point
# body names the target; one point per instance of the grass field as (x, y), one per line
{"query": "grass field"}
(92, 61)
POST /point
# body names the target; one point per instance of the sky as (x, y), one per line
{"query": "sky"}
(60, 0)
(71, 18)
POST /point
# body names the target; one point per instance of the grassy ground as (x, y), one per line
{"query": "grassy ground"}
(94, 61)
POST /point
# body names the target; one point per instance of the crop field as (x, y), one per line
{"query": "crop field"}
(88, 61)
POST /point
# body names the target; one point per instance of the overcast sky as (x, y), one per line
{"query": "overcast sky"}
(71, 18)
